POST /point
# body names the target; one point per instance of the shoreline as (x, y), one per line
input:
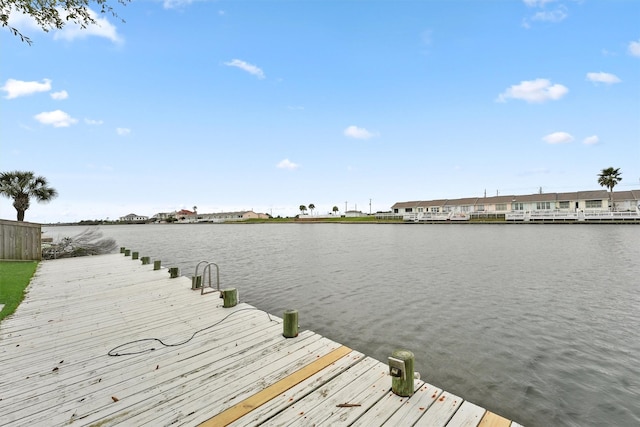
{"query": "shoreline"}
(360, 222)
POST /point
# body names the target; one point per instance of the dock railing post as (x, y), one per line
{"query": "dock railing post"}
(157, 264)
(173, 272)
(401, 371)
(135, 255)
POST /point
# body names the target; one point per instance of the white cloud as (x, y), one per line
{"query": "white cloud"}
(17, 88)
(591, 140)
(634, 48)
(538, 90)
(358, 133)
(93, 122)
(71, 31)
(558, 138)
(174, 4)
(554, 15)
(537, 3)
(57, 118)
(287, 164)
(603, 78)
(60, 95)
(123, 131)
(249, 68)
(22, 21)
(557, 15)
(102, 28)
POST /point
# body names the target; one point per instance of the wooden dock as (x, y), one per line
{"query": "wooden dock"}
(223, 366)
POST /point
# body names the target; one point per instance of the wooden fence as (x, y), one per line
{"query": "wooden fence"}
(20, 240)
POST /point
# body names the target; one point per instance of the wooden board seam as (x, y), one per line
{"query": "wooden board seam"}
(249, 404)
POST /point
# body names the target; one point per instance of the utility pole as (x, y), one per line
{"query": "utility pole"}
(369, 206)
(345, 208)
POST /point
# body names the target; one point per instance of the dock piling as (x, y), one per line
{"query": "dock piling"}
(229, 297)
(290, 324)
(401, 370)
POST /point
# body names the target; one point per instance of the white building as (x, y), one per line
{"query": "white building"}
(134, 218)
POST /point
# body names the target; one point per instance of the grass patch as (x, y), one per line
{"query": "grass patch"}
(14, 278)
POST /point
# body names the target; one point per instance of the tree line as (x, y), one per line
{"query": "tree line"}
(303, 209)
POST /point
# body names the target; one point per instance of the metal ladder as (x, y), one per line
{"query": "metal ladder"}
(206, 283)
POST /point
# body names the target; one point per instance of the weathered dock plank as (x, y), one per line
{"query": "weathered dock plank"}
(298, 392)
(97, 380)
(108, 341)
(415, 407)
(493, 420)
(268, 393)
(469, 415)
(344, 389)
(441, 411)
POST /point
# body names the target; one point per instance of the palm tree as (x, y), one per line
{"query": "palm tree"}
(609, 178)
(303, 209)
(335, 209)
(311, 207)
(22, 186)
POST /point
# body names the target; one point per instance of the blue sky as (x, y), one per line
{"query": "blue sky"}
(267, 105)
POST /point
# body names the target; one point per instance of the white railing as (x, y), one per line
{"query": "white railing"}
(389, 216)
(409, 217)
(553, 215)
(514, 216)
(459, 216)
(559, 215)
(435, 216)
(533, 215)
(607, 215)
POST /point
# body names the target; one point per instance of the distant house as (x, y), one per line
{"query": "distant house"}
(134, 218)
(184, 215)
(219, 217)
(163, 216)
(579, 205)
(354, 214)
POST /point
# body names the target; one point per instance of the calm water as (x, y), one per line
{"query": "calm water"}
(539, 323)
